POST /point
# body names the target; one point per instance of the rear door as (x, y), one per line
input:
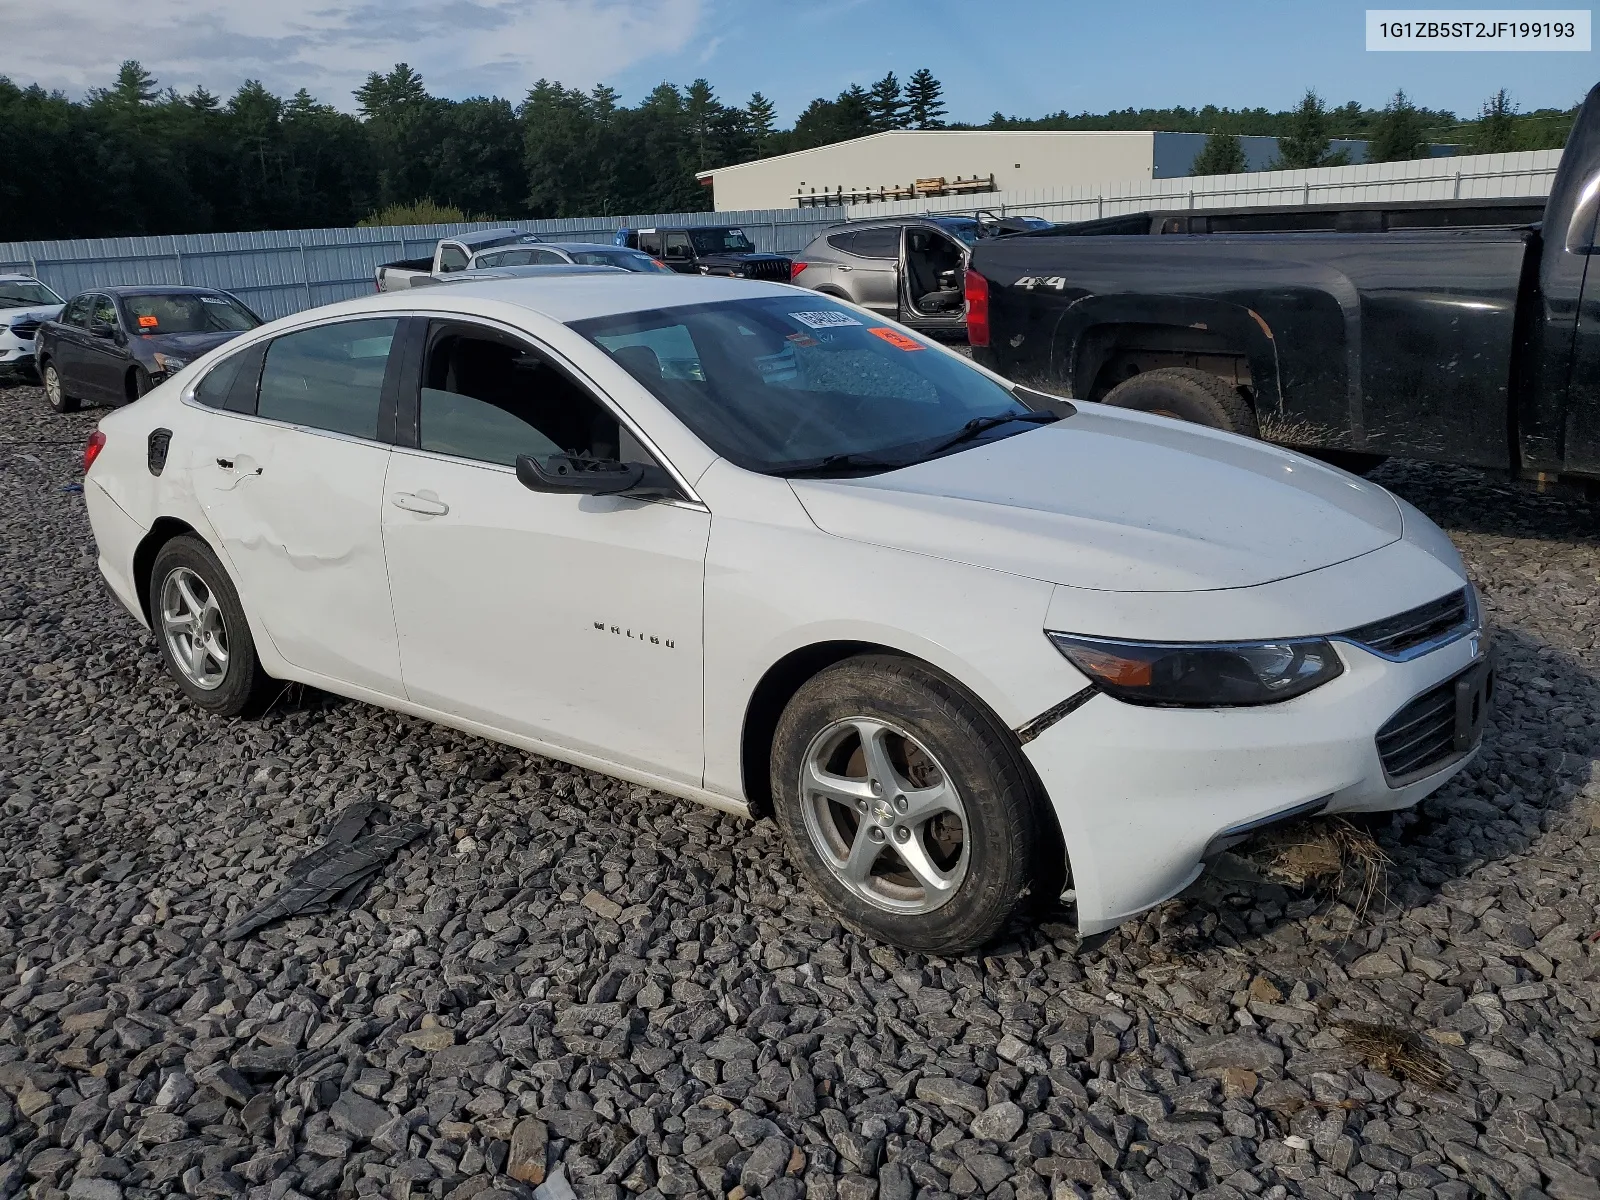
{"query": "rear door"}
(291, 480)
(678, 252)
(66, 342)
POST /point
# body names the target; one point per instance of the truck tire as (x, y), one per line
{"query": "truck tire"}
(879, 763)
(1188, 395)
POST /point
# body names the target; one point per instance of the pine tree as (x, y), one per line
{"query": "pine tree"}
(135, 88)
(1306, 143)
(887, 106)
(924, 106)
(1398, 132)
(763, 120)
(1496, 130)
(1223, 154)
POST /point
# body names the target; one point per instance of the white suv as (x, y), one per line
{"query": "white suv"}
(25, 304)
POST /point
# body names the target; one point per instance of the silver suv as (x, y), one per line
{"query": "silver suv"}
(911, 269)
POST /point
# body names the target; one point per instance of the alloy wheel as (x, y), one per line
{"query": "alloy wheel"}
(52, 386)
(192, 623)
(884, 816)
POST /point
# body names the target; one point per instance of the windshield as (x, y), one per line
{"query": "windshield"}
(188, 312)
(968, 231)
(23, 293)
(787, 384)
(720, 241)
(628, 260)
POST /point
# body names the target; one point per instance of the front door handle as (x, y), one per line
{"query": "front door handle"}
(843, 267)
(428, 506)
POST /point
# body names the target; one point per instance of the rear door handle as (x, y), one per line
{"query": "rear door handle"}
(428, 506)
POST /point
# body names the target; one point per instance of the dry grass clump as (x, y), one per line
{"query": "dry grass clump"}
(1395, 1052)
(1324, 853)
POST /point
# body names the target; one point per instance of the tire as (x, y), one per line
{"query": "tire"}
(1188, 395)
(229, 684)
(938, 740)
(138, 383)
(55, 389)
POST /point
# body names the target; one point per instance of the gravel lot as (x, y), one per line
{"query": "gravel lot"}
(573, 972)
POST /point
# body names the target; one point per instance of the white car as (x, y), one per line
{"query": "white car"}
(25, 304)
(754, 547)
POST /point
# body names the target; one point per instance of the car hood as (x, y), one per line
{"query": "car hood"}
(39, 312)
(1117, 502)
(187, 345)
(753, 256)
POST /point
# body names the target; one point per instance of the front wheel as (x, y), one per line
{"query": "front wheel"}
(55, 391)
(908, 806)
(201, 628)
(139, 383)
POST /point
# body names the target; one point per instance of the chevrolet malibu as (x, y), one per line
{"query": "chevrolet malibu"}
(967, 644)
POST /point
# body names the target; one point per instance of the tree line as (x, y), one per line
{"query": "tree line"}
(134, 158)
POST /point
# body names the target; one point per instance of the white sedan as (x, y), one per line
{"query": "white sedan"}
(966, 643)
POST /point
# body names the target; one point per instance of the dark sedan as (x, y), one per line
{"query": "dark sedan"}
(112, 345)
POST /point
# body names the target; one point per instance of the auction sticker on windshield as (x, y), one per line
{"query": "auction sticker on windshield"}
(824, 320)
(895, 338)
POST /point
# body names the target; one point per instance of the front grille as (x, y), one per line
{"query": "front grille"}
(1438, 726)
(1415, 627)
(25, 329)
(770, 268)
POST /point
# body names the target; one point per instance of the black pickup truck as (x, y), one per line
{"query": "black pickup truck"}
(706, 250)
(1463, 332)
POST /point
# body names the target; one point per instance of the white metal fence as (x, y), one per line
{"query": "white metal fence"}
(1473, 176)
(280, 271)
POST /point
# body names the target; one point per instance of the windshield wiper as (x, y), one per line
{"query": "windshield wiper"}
(834, 463)
(980, 425)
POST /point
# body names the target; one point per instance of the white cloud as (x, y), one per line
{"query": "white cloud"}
(461, 47)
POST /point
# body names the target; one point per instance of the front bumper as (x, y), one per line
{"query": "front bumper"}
(16, 354)
(1142, 794)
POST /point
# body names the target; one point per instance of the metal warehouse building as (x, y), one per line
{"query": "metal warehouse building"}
(906, 163)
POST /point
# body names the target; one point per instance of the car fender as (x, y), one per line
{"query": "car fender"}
(776, 584)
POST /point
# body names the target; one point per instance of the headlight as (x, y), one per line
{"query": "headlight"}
(1203, 674)
(171, 364)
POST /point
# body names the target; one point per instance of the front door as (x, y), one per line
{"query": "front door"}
(293, 493)
(575, 620)
(105, 351)
(875, 271)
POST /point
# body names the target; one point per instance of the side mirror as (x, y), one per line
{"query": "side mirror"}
(565, 473)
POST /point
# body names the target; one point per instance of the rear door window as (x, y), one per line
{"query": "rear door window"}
(77, 313)
(329, 377)
(877, 243)
(650, 243)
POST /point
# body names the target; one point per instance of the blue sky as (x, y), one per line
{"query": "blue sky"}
(1023, 57)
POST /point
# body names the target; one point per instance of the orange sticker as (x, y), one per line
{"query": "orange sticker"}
(894, 337)
(148, 322)
(800, 339)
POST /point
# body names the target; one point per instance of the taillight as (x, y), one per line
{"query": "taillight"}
(977, 290)
(97, 443)
(796, 267)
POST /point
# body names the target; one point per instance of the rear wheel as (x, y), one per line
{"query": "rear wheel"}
(202, 631)
(1188, 395)
(55, 390)
(908, 806)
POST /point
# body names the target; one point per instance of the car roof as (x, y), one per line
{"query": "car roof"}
(567, 294)
(516, 271)
(21, 279)
(585, 247)
(153, 289)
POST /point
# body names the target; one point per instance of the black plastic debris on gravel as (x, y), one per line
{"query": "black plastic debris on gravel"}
(332, 875)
